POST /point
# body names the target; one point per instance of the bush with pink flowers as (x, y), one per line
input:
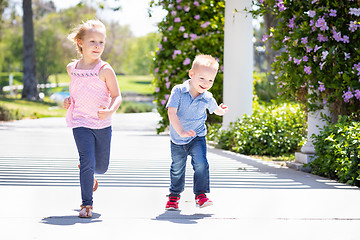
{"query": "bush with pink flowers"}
(319, 60)
(191, 27)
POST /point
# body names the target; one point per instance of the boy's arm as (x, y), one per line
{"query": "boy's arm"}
(175, 122)
(221, 110)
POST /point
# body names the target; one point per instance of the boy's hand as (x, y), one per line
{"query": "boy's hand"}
(221, 110)
(190, 133)
(104, 113)
(67, 102)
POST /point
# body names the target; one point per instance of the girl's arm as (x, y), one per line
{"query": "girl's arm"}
(107, 74)
(175, 122)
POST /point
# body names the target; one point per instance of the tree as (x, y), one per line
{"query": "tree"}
(30, 90)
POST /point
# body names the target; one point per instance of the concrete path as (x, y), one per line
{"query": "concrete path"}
(40, 194)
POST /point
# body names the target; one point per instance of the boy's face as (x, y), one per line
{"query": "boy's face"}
(202, 79)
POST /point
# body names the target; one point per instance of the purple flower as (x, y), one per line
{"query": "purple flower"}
(173, 13)
(355, 11)
(292, 23)
(186, 8)
(357, 94)
(187, 61)
(170, 28)
(321, 88)
(345, 39)
(325, 101)
(337, 36)
(353, 26)
(322, 65)
(311, 22)
(312, 14)
(321, 23)
(222, 68)
(347, 95)
(316, 48)
(307, 70)
(304, 40)
(204, 25)
(166, 96)
(308, 49)
(265, 38)
(324, 55)
(357, 67)
(196, 3)
(156, 70)
(332, 13)
(178, 1)
(286, 38)
(163, 102)
(165, 39)
(186, 35)
(281, 5)
(177, 19)
(181, 28)
(193, 36)
(178, 7)
(305, 58)
(314, 1)
(157, 89)
(297, 61)
(322, 38)
(197, 17)
(168, 85)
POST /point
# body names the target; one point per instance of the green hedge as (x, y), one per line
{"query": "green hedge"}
(9, 114)
(338, 151)
(273, 130)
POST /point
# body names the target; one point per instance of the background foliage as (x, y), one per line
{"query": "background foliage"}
(189, 28)
(338, 151)
(319, 62)
(272, 130)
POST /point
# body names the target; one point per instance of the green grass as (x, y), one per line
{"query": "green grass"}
(127, 83)
(33, 109)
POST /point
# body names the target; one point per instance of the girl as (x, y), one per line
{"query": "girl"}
(94, 97)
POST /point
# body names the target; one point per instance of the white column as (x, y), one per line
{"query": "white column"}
(238, 60)
(315, 123)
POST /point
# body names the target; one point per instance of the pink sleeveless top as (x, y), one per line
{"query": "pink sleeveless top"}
(87, 92)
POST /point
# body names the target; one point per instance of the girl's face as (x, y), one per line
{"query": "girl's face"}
(93, 43)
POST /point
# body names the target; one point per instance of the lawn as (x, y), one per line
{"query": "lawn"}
(37, 109)
(140, 84)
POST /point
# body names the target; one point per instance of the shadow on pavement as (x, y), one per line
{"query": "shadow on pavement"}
(177, 217)
(70, 220)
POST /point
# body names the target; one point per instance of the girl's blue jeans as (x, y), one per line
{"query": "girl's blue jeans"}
(197, 150)
(94, 152)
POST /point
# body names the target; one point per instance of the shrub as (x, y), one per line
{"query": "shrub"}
(9, 114)
(135, 107)
(273, 130)
(338, 151)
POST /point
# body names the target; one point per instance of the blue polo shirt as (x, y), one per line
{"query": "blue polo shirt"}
(191, 112)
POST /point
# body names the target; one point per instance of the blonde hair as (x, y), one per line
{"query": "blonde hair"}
(203, 60)
(79, 32)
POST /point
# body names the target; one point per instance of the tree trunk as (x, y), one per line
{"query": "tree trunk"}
(30, 82)
(270, 21)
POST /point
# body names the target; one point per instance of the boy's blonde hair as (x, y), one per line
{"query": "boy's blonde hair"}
(203, 60)
(78, 32)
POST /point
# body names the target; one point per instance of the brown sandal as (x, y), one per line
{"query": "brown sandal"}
(96, 184)
(86, 211)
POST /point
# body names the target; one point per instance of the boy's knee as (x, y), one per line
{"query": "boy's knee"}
(101, 169)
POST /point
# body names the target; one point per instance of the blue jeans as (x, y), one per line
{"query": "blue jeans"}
(197, 150)
(94, 152)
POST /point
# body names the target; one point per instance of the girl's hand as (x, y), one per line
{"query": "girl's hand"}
(104, 113)
(67, 102)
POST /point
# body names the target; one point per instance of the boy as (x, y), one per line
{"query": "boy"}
(187, 114)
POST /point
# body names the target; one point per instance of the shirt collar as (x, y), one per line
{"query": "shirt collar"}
(186, 88)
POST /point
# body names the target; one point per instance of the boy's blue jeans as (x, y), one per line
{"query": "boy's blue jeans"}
(197, 150)
(94, 152)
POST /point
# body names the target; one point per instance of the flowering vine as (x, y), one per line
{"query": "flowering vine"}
(190, 27)
(319, 59)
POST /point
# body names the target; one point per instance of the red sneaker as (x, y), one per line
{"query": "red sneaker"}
(203, 201)
(173, 202)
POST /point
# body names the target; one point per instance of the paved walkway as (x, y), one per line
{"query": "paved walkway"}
(40, 194)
